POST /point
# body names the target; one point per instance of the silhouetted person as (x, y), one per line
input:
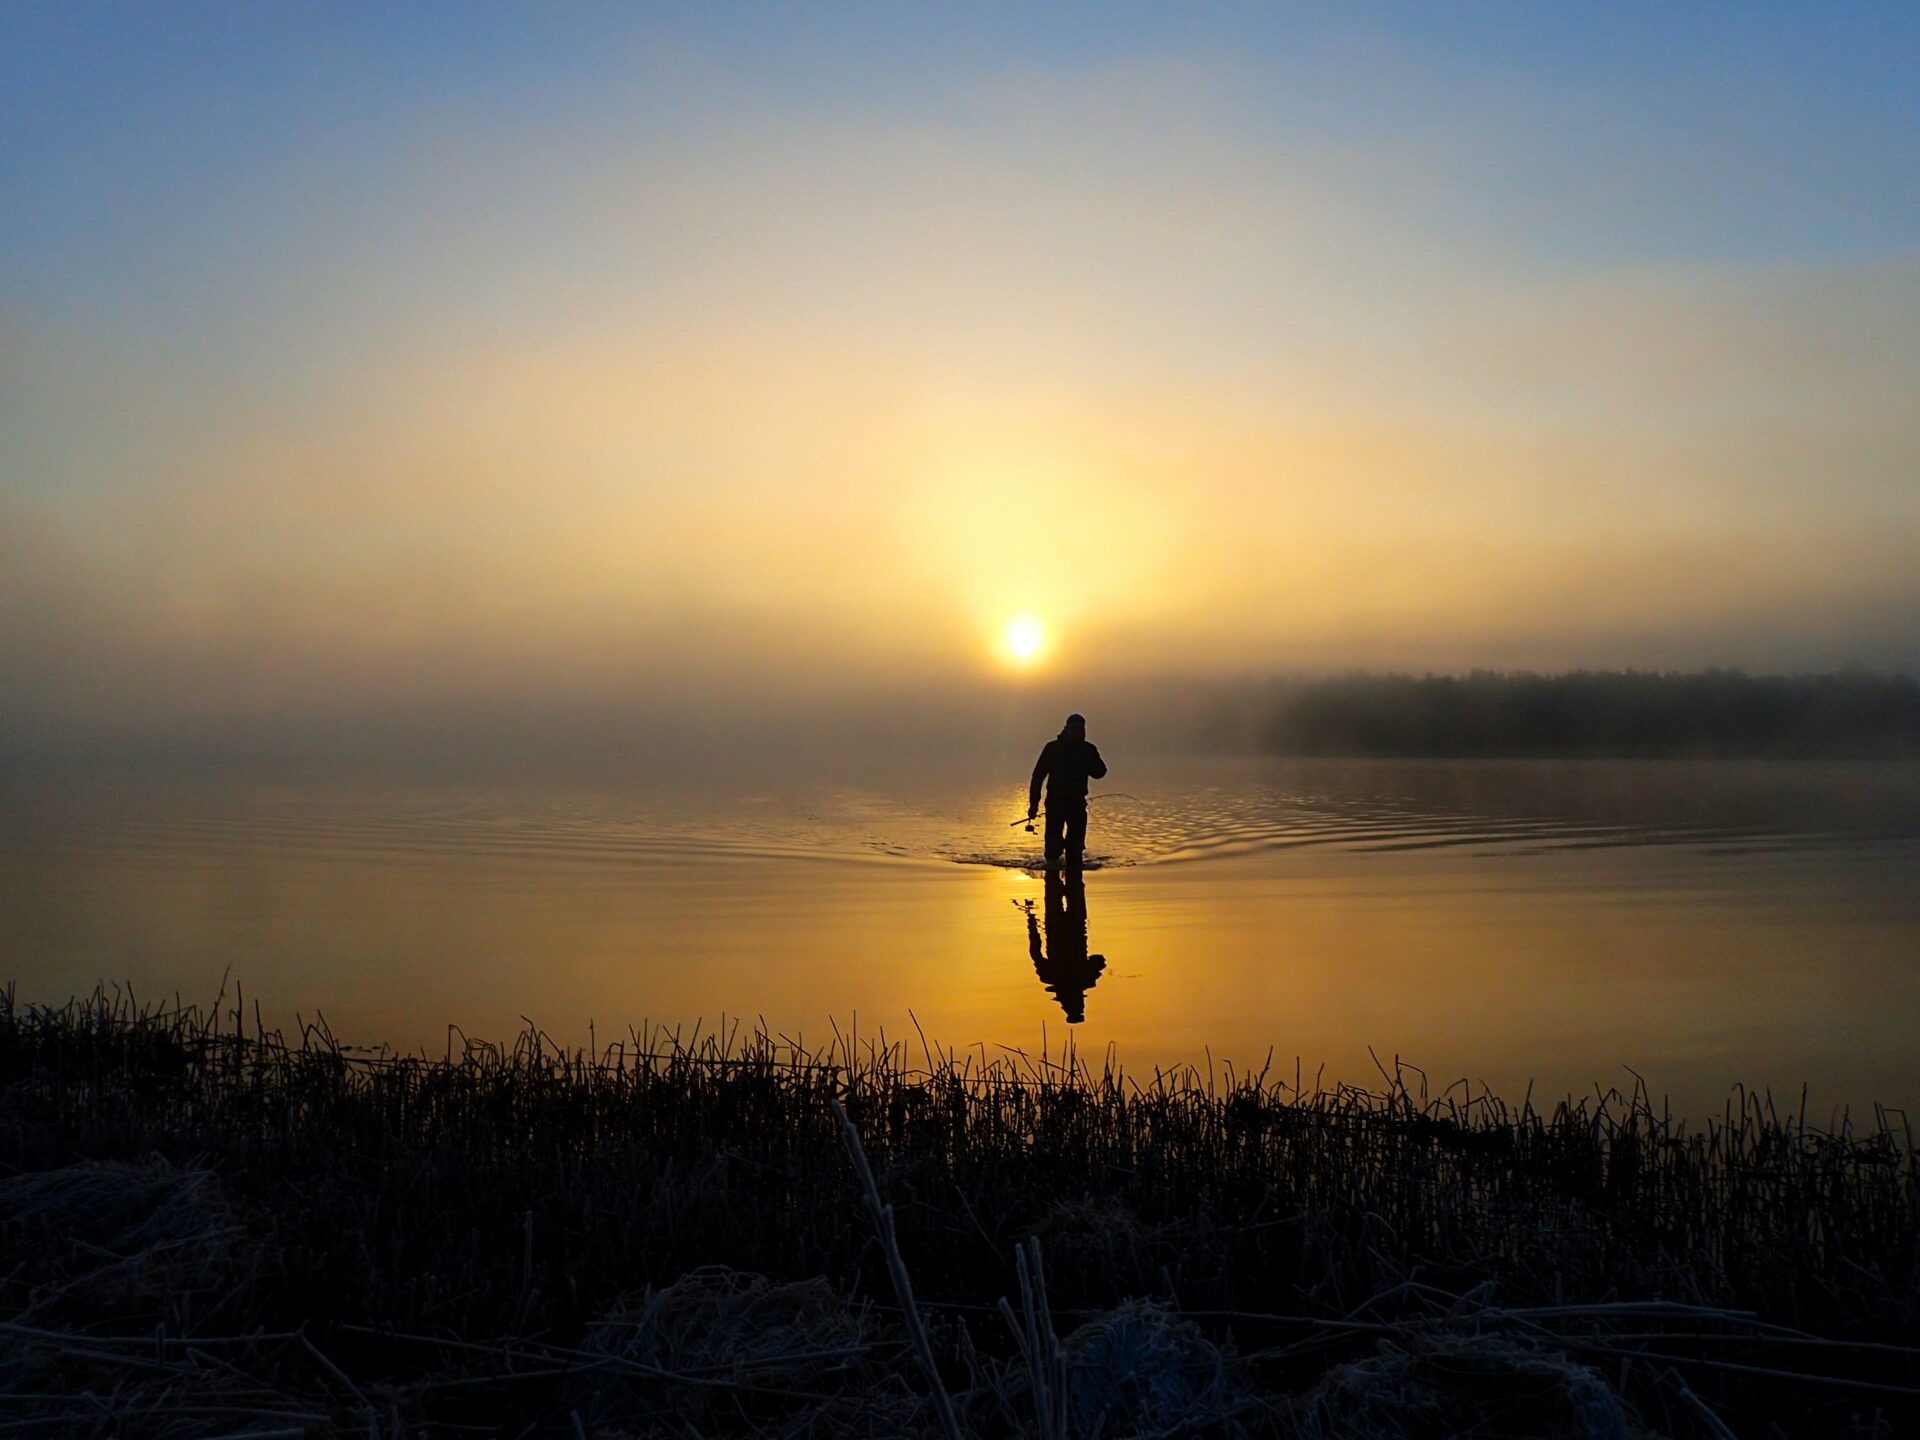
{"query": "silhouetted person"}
(1065, 765)
(1063, 964)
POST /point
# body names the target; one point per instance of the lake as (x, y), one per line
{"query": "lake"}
(1554, 924)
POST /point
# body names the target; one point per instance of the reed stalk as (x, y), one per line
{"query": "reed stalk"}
(201, 1217)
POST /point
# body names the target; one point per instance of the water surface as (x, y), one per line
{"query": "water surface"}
(1510, 923)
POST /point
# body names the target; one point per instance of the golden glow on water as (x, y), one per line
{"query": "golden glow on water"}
(1495, 973)
(1502, 956)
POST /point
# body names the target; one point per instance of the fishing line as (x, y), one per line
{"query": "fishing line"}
(1103, 795)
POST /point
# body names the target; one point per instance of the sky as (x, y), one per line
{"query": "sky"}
(386, 360)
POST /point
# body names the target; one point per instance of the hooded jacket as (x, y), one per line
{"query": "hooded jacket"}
(1064, 767)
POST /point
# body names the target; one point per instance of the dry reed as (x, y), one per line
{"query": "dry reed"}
(206, 1221)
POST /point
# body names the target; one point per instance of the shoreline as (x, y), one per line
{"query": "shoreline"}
(681, 1238)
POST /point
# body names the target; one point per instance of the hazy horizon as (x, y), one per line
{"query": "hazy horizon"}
(890, 736)
(362, 369)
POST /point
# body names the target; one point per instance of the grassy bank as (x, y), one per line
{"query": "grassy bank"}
(214, 1229)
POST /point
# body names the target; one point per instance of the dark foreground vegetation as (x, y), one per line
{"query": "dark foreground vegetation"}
(1633, 713)
(207, 1229)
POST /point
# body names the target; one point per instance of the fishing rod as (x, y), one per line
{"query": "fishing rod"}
(1028, 820)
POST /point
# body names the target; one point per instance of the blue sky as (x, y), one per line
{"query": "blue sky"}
(1749, 131)
(1585, 333)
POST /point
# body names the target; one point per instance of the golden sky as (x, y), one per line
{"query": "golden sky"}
(646, 364)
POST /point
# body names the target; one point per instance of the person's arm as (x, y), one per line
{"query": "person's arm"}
(1040, 768)
(1096, 767)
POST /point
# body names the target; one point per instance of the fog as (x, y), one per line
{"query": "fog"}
(661, 403)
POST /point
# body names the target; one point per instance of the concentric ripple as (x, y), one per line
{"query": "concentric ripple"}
(1179, 815)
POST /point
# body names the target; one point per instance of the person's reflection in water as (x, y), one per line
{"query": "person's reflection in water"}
(1060, 957)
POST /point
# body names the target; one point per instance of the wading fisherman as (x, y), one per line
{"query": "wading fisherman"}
(1065, 765)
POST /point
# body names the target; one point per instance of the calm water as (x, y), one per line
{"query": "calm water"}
(1506, 922)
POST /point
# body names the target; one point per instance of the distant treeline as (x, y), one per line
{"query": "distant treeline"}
(1596, 712)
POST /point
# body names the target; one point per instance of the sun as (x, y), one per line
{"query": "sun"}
(1024, 639)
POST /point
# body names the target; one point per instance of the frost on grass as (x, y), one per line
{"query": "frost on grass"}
(1445, 1385)
(146, 1237)
(1140, 1370)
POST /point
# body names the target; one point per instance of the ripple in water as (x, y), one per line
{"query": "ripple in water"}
(1184, 815)
(1492, 808)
